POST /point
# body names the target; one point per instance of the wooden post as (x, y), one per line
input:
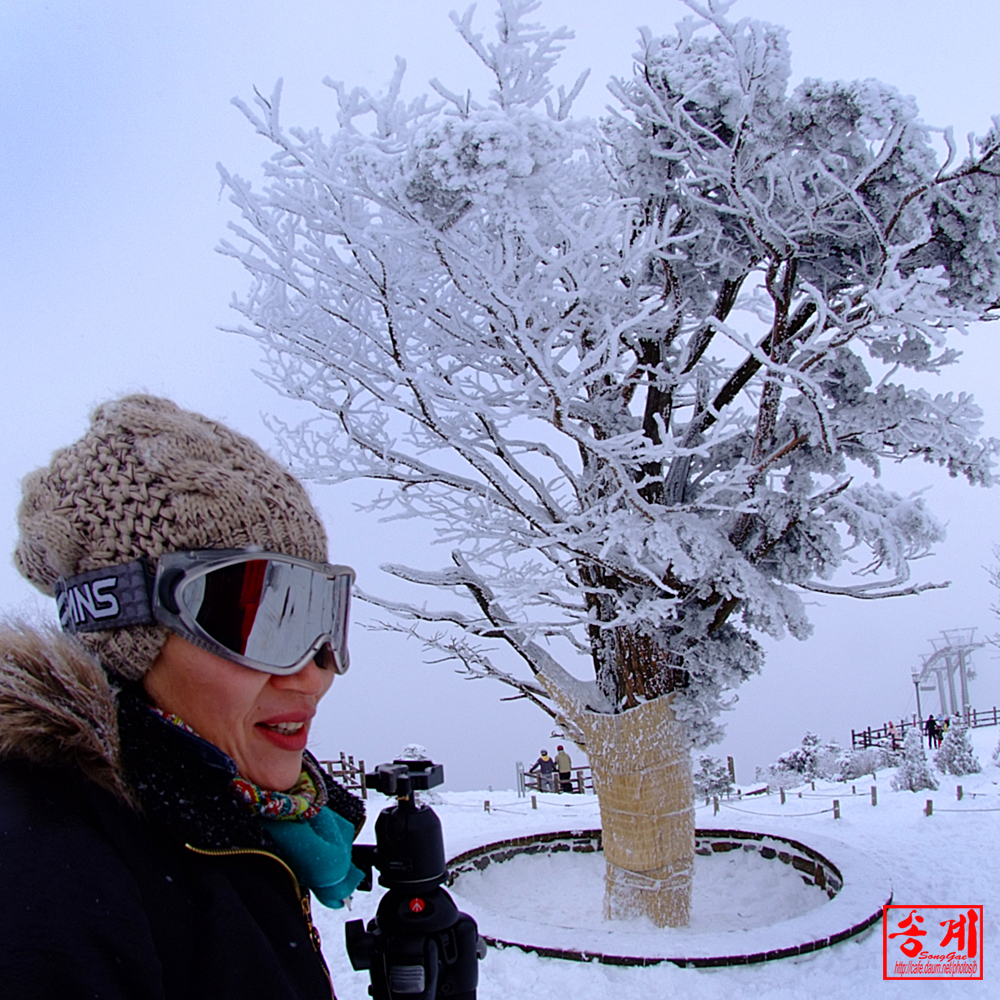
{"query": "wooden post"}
(929, 808)
(364, 779)
(732, 769)
(874, 796)
(534, 802)
(836, 808)
(813, 783)
(959, 791)
(715, 803)
(782, 796)
(854, 789)
(486, 805)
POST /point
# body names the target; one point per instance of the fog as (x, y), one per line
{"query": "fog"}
(114, 116)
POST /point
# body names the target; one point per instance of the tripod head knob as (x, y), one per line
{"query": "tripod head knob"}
(403, 777)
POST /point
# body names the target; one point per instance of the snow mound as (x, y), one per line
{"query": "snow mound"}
(735, 891)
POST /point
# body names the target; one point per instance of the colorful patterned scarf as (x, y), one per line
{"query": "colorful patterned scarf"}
(302, 801)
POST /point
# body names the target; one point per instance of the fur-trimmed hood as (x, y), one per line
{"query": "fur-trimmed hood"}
(57, 707)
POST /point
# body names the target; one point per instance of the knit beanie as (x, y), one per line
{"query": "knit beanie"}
(148, 478)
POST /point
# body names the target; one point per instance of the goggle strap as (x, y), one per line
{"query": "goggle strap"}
(105, 598)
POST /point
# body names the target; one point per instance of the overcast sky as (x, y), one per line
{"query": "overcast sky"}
(113, 115)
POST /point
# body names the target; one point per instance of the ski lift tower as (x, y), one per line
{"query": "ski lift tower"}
(952, 655)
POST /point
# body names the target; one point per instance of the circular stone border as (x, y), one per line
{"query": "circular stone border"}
(855, 904)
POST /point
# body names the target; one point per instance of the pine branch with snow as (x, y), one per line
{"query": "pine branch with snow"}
(712, 776)
(810, 760)
(913, 774)
(955, 755)
(867, 760)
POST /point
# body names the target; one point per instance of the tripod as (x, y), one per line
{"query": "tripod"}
(419, 946)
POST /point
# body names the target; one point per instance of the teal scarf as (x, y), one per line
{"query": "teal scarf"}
(318, 850)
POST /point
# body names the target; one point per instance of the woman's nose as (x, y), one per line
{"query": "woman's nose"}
(310, 680)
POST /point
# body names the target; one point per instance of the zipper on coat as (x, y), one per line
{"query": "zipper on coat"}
(300, 895)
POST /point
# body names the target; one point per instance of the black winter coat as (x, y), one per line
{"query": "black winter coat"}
(184, 896)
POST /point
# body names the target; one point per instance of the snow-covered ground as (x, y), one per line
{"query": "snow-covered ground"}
(947, 858)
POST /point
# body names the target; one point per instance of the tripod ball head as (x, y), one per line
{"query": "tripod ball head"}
(409, 852)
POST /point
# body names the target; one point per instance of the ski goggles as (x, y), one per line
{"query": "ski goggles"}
(262, 610)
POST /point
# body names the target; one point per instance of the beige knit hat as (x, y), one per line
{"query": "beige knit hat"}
(148, 478)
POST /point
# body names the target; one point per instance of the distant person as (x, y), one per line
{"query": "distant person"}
(546, 767)
(893, 736)
(564, 765)
(932, 732)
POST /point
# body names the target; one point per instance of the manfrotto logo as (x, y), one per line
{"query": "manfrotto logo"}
(932, 942)
(88, 601)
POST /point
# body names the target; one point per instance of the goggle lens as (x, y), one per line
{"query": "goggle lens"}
(270, 610)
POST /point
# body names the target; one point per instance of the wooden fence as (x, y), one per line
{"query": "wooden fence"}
(349, 774)
(880, 736)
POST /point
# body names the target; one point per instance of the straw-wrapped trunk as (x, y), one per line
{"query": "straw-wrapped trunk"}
(641, 762)
(642, 775)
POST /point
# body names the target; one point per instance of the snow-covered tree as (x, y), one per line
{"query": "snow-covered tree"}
(867, 760)
(994, 574)
(955, 755)
(640, 375)
(913, 774)
(810, 760)
(712, 776)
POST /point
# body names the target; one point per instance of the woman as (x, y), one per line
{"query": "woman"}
(161, 823)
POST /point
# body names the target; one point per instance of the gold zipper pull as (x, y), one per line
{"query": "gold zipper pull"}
(307, 913)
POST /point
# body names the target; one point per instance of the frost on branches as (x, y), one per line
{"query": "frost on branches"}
(640, 374)
(913, 774)
(955, 755)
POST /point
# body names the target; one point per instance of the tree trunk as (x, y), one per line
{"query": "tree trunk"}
(641, 764)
